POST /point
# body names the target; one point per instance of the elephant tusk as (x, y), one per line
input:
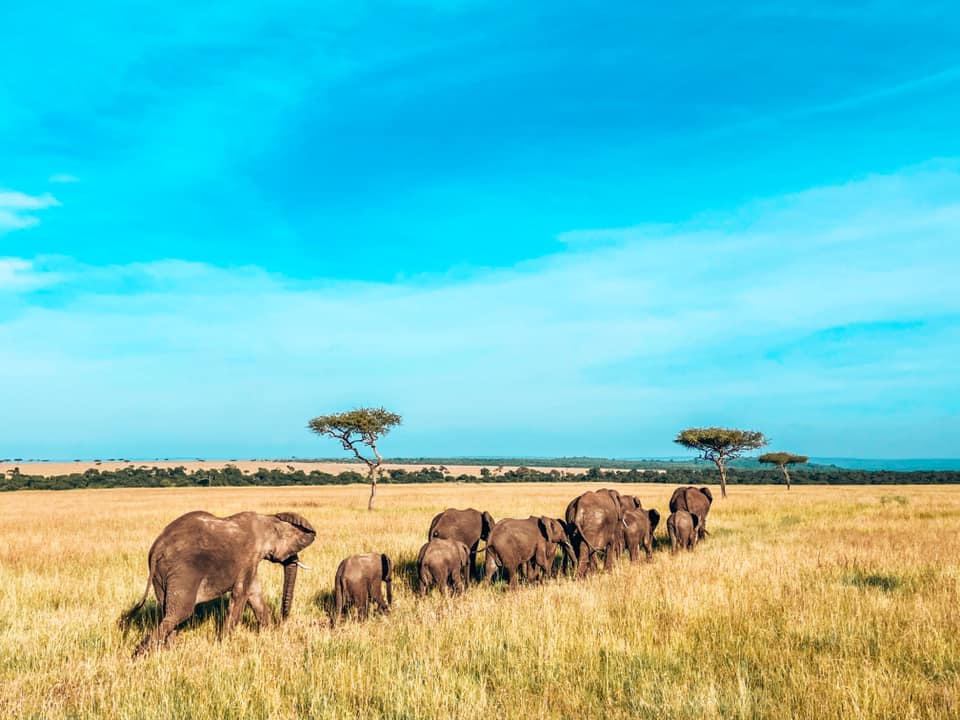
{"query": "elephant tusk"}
(301, 565)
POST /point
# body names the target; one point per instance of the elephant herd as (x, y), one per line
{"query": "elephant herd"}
(199, 557)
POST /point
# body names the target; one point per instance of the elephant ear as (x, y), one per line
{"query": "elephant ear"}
(294, 534)
(706, 491)
(654, 519)
(618, 502)
(486, 525)
(696, 519)
(386, 568)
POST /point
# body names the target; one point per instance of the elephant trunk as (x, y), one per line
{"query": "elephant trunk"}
(289, 581)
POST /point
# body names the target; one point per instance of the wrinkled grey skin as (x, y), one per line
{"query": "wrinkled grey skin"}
(358, 583)
(594, 523)
(199, 557)
(682, 529)
(443, 563)
(468, 526)
(640, 526)
(528, 545)
(696, 501)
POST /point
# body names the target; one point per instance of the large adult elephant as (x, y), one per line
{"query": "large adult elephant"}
(528, 545)
(594, 525)
(199, 557)
(467, 526)
(696, 501)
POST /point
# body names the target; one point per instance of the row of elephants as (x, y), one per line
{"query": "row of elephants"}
(198, 557)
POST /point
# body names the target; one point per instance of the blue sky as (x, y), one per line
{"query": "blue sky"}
(529, 230)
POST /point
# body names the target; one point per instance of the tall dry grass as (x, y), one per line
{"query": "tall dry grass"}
(836, 602)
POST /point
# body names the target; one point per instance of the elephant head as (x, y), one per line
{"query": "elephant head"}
(555, 531)
(386, 570)
(290, 534)
(486, 525)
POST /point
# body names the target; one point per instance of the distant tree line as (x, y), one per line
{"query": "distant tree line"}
(232, 476)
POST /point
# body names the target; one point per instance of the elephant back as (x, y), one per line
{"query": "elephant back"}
(466, 526)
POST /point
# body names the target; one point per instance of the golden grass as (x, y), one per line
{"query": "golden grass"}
(836, 602)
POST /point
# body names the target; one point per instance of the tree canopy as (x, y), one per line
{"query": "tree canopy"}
(781, 460)
(357, 427)
(719, 445)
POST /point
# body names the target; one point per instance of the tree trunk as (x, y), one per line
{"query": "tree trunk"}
(723, 477)
(374, 475)
(786, 475)
(373, 489)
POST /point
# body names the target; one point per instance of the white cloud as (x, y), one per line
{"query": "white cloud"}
(15, 207)
(63, 178)
(602, 345)
(19, 275)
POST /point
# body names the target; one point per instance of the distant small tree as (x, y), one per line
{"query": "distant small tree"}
(781, 460)
(718, 445)
(362, 426)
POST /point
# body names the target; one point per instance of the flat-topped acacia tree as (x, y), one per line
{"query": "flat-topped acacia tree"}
(718, 445)
(354, 428)
(781, 460)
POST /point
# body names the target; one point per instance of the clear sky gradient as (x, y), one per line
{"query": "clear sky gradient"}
(531, 229)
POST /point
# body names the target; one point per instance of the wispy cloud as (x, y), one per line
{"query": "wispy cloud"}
(19, 275)
(597, 349)
(15, 209)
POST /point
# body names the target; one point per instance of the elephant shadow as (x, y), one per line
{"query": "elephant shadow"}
(149, 616)
(324, 601)
(406, 573)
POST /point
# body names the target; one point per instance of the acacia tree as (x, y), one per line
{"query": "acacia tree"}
(718, 445)
(354, 428)
(781, 460)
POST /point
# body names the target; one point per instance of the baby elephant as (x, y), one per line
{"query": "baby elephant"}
(443, 563)
(358, 583)
(639, 526)
(682, 529)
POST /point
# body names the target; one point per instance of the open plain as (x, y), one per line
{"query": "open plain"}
(821, 602)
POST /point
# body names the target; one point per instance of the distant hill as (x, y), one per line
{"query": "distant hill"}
(816, 463)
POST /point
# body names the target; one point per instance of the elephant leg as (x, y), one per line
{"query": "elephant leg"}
(259, 606)
(458, 582)
(472, 567)
(174, 614)
(237, 603)
(376, 595)
(610, 560)
(584, 559)
(647, 548)
(511, 573)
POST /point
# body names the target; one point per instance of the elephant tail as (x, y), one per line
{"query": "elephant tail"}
(125, 619)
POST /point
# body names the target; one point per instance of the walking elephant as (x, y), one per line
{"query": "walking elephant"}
(639, 526)
(199, 557)
(682, 529)
(594, 524)
(467, 526)
(358, 582)
(443, 563)
(696, 501)
(528, 545)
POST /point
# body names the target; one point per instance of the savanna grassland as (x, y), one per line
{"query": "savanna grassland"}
(824, 602)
